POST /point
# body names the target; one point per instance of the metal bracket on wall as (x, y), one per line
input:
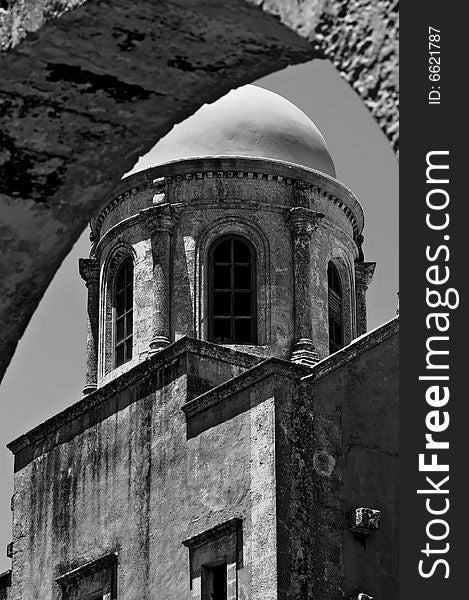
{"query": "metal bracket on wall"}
(364, 520)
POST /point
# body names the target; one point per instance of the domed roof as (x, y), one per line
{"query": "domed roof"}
(249, 121)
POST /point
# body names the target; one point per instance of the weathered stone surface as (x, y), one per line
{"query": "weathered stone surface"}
(125, 478)
(20, 17)
(88, 92)
(204, 199)
(337, 449)
(277, 451)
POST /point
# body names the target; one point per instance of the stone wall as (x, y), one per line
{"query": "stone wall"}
(80, 101)
(118, 473)
(290, 450)
(337, 450)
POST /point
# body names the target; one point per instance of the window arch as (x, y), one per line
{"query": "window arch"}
(336, 320)
(232, 291)
(123, 312)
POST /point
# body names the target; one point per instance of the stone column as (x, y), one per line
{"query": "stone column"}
(302, 222)
(161, 220)
(363, 275)
(89, 271)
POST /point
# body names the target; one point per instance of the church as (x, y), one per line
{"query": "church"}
(237, 438)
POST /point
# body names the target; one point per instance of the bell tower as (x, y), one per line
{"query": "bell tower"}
(237, 435)
(270, 192)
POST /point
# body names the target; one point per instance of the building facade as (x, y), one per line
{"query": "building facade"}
(237, 438)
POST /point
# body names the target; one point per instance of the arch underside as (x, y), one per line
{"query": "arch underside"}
(80, 101)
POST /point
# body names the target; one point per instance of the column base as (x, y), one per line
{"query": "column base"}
(89, 389)
(304, 353)
(158, 343)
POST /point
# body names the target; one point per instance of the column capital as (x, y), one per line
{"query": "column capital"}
(364, 272)
(303, 221)
(161, 217)
(89, 270)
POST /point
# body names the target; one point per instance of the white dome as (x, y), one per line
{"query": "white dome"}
(249, 121)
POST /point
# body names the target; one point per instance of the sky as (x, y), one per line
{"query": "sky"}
(47, 371)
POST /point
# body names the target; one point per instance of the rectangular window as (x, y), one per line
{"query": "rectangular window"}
(215, 557)
(123, 313)
(96, 580)
(232, 291)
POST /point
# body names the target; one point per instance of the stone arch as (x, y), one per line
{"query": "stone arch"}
(117, 254)
(82, 113)
(233, 225)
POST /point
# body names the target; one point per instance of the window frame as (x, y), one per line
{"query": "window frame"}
(221, 545)
(207, 587)
(338, 297)
(124, 262)
(72, 583)
(253, 289)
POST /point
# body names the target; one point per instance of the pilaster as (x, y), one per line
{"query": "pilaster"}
(363, 275)
(161, 220)
(89, 272)
(302, 222)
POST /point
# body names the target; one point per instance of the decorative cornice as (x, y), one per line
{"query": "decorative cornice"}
(103, 562)
(330, 197)
(226, 528)
(240, 382)
(159, 178)
(355, 348)
(134, 375)
(229, 175)
(120, 198)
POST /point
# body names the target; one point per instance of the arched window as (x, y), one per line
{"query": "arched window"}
(336, 324)
(232, 291)
(123, 312)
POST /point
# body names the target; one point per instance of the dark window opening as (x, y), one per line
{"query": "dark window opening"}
(232, 294)
(336, 326)
(214, 583)
(219, 582)
(123, 313)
